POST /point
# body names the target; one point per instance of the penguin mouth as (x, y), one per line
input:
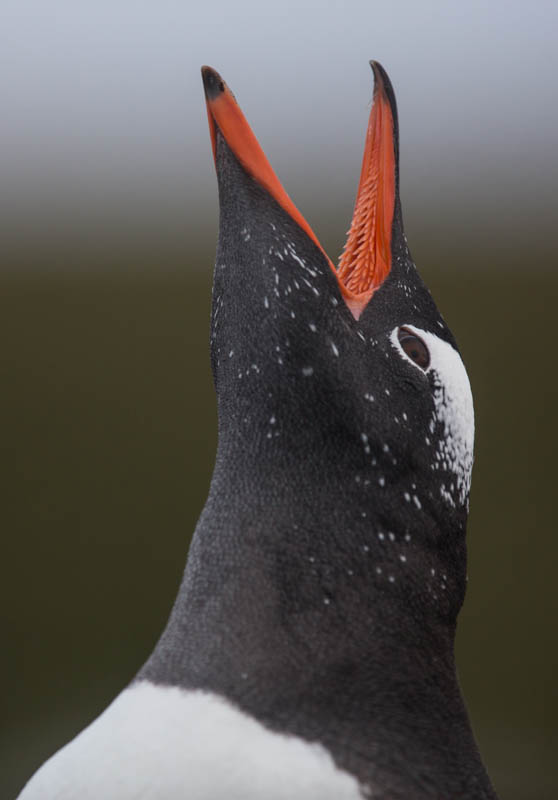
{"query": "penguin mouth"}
(366, 258)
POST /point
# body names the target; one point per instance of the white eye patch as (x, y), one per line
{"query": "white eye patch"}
(453, 408)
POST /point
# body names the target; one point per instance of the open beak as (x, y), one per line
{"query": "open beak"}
(366, 258)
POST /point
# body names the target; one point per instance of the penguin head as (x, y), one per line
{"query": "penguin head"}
(346, 380)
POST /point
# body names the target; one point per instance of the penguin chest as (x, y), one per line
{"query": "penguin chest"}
(158, 742)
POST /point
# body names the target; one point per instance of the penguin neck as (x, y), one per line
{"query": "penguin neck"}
(282, 574)
(282, 611)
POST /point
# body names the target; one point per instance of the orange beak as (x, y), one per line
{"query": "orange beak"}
(366, 258)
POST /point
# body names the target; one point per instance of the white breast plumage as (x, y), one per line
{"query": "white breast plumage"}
(166, 743)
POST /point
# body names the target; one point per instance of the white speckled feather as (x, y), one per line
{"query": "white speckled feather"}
(453, 407)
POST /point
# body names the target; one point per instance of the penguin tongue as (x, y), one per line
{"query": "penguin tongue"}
(366, 258)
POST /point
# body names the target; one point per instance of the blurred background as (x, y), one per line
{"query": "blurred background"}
(108, 226)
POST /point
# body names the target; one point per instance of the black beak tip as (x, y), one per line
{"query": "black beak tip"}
(382, 85)
(380, 77)
(213, 83)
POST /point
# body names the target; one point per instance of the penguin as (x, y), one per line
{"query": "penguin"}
(310, 650)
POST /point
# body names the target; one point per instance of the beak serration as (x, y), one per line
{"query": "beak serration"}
(366, 259)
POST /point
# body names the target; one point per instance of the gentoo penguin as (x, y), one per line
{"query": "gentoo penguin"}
(310, 651)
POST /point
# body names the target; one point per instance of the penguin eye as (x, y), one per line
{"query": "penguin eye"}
(414, 348)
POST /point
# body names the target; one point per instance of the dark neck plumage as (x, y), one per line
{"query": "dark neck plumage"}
(287, 608)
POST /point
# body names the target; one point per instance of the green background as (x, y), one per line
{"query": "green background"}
(108, 444)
